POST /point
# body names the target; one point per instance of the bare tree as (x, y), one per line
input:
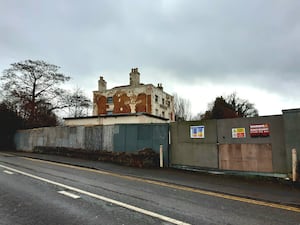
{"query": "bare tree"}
(34, 87)
(182, 108)
(79, 104)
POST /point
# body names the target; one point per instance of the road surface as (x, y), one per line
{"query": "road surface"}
(34, 192)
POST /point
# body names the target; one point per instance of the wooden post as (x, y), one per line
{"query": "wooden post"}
(161, 156)
(294, 164)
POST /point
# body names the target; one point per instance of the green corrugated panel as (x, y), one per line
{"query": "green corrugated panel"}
(135, 137)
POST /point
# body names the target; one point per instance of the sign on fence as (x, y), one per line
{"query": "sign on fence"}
(259, 130)
(197, 132)
(238, 133)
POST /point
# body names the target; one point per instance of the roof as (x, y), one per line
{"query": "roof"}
(118, 115)
(128, 85)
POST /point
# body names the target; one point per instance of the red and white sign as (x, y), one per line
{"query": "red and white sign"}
(260, 130)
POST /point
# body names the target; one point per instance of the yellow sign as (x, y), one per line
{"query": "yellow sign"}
(238, 133)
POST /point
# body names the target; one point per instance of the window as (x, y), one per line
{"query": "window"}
(156, 98)
(163, 101)
(163, 114)
(109, 100)
(109, 112)
(156, 112)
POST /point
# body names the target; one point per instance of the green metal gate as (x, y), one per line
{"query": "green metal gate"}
(135, 137)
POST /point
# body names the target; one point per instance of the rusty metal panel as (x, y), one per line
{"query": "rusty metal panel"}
(246, 157)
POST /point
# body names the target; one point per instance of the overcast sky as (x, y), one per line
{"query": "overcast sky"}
(197, 49)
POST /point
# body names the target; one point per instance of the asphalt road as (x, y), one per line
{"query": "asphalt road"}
(40, 192)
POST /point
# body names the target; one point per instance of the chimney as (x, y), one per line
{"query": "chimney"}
(101, 84)
(159, 85)
(134, 77)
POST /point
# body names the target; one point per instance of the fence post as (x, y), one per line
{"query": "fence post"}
(294, 164)
(161, 156)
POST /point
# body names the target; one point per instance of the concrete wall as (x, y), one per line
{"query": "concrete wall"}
(219, 150)
(99, 138)
(194, 152)
(216, 150)
(118, 138)
(276, 139)
(91, 138)
(291, 120)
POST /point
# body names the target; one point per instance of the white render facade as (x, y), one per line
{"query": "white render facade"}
(133, 98)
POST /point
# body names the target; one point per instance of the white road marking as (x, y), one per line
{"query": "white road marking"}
(112, 201)
(8, 172)
(5, 154)
(71, 195)
(176, 187)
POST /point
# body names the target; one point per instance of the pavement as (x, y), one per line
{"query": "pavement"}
(275, 190)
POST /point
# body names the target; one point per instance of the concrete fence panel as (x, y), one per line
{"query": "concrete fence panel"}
(274, 139)
(69, 137)
(200, 151)
(94, 138)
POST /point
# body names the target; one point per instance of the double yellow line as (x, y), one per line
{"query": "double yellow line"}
(175, 186)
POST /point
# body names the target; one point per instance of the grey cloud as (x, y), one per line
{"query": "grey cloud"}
(254, 42)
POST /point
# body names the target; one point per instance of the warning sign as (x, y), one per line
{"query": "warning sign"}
(259, 130)
(238, 132)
